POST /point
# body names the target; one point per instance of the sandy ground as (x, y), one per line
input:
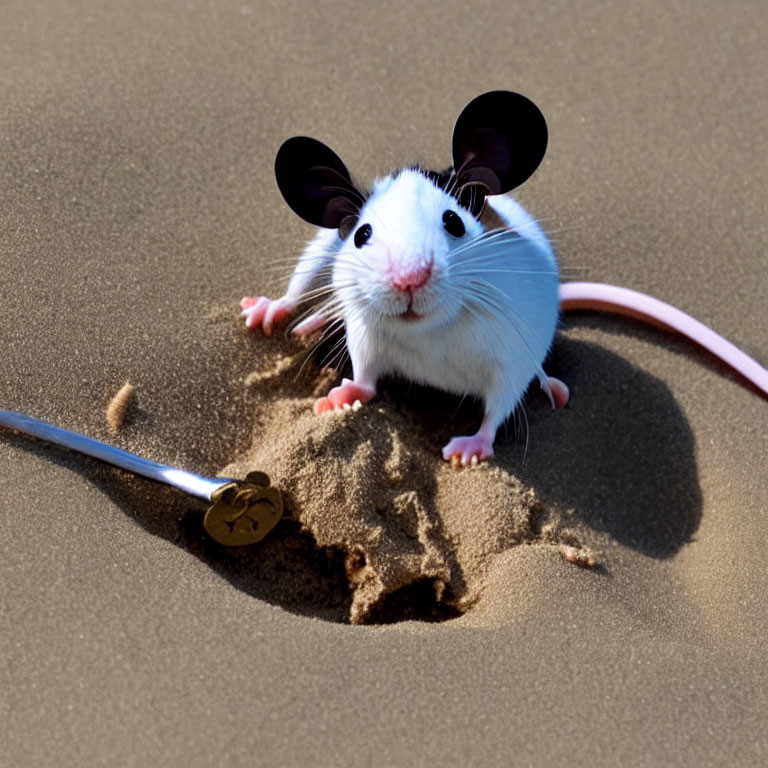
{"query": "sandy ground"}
(138, 204)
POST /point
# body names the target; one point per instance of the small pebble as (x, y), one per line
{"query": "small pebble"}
(578, 556)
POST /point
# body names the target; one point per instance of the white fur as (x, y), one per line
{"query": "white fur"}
(491, 348)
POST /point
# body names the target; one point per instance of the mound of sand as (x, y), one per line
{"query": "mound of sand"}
(369, 482)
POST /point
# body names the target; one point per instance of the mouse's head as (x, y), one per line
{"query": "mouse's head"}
(400, 239)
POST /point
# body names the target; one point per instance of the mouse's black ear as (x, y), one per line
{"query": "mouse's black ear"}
(498, 142)
(315, 183)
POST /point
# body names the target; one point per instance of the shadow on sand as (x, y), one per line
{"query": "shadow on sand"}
(621, 455)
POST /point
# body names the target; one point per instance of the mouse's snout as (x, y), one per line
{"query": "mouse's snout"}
(410, 277)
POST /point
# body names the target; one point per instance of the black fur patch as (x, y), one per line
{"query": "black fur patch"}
(448, 182)
(441, 179)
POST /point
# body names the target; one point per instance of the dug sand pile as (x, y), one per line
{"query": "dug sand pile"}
(369, 482)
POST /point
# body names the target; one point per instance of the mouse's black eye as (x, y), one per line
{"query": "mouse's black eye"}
(363, 235)
(453, 223)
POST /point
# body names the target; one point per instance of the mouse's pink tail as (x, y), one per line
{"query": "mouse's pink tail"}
(623, 301)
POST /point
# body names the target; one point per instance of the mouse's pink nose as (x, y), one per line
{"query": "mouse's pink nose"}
(410, 279)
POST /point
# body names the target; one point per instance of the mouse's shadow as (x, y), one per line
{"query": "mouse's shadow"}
(621, 456)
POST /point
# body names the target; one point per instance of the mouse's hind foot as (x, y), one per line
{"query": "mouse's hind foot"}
(557, 391)
(469, 450)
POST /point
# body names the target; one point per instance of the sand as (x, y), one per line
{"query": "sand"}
(119, 406)
(443, 625)
(367, 485)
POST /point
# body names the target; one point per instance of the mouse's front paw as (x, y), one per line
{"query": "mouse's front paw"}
(310, 325)
(345, 394)
(264, 313)
(468, 450)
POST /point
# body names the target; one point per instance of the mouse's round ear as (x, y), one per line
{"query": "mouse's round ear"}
(498, 142)
(315, 183)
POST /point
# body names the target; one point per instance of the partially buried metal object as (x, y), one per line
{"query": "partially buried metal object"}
(242, 511)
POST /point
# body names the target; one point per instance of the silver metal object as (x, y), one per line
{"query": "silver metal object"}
(242, 511)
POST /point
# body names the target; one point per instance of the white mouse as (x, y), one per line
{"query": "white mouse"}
(426, 290)
(440, 278)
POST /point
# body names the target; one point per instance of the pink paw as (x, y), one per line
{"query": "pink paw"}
(345, 394)
(309, 325)
(259, 311)
(468, 450)
(557, 391)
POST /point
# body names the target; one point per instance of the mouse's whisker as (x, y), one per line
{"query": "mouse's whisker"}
(488, 238)
(329, 289)
(501, 341)
(493, 266)
(483, 298)
(329, 309)
(502, 258)
(510, 271)
(279, 260)
(328, 332)
(512, 253)
(451, 184)
(482, 250)
(307, 309)
(335, 357)
(521, 424)
(338, 356)
(304, 315)
(305, 361)
(500, 303)
(286, 270)
(271, 276)
(323, 290)
(500, 254)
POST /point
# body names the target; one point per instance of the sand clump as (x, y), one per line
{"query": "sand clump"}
(370, 483)
(119, 406)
